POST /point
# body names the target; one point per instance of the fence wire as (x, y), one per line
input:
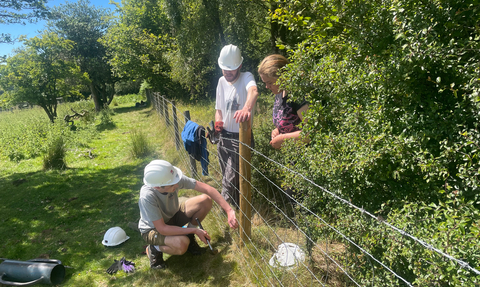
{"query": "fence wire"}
(322, 260)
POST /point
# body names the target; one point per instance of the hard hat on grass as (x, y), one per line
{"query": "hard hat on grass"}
(230, 58)
(114, 236)
(161, 173)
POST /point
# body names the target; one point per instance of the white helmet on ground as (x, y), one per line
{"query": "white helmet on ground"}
(230, 58)
(114, 236)
(161, 173)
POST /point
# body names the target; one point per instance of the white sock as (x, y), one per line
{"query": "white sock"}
(157, 247)
(190, 225)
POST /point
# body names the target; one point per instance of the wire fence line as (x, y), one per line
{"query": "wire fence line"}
(275, 222)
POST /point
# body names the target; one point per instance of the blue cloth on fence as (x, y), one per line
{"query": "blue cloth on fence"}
(193, 137)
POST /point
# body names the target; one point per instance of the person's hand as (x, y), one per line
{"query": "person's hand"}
(276, 142)
(218, 126)
(242, 115)
(275, 133)
(203, 235)
(232, 220)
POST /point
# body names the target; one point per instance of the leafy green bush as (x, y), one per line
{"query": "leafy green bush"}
(393, 119)
(106, 119)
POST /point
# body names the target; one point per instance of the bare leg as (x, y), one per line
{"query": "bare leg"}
(198, 207)
(175, 245)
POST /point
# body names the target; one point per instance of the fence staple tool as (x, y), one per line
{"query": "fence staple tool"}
(212, 251)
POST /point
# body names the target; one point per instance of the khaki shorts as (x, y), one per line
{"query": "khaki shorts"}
(180, 218)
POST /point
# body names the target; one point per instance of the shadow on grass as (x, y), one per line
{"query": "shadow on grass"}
(106, 126)
(64, 215)
(123, 110)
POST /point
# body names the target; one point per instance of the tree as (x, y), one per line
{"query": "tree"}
(174, 45)
(21, 11)
(41, 72)
(137, 43)
(85, 25)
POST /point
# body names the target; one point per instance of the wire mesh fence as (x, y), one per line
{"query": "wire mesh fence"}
(290, 245)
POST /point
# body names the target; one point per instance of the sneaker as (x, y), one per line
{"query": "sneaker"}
(155, 257)
(193, 247)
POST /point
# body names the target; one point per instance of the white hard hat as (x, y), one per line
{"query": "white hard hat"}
(114, 236)
(230, 58)
(161, 173)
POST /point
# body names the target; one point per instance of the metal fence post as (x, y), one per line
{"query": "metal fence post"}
(245, 137)
(193, 163)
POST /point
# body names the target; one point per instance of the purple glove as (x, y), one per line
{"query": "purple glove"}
(127, 266)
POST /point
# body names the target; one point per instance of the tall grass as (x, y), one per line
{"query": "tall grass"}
(140, 146)
(55, 156)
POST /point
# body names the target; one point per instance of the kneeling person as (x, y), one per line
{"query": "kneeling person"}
(162, 214)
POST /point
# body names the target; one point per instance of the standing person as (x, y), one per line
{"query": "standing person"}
(162, 213)
(236, 96)
(287, 115)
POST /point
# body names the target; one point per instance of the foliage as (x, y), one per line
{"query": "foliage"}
(106, 119)
(144, 87)
(393, 88)
(26, 135)
(85, 24)
(174, 45)
(55, 156)
(140, 146)
(21, 11)
(135, 41)
(127, 87)
(41, 73)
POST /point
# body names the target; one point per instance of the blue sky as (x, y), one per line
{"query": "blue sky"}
(31, 30)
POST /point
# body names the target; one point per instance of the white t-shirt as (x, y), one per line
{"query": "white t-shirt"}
(231, 98)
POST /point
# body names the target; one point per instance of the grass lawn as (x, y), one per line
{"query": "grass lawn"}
(64, 214)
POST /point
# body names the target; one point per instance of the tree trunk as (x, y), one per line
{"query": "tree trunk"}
(51, 117)
(96, 97)
(212, 9)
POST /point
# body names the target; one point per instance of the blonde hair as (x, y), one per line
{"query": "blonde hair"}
(271, 64)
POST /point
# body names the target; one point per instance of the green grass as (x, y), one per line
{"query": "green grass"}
(63, 214)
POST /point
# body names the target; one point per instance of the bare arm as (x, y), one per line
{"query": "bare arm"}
(246, 112)
(215, 195)
(218, 116)
(278, 139)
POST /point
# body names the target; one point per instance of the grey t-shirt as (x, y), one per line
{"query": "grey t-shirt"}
(154, 205)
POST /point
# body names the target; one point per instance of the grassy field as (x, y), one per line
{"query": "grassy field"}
(64, 214)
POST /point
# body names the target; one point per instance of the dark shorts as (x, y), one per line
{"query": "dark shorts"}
(180, 218)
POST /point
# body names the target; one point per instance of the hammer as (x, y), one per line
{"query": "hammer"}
(212, 251)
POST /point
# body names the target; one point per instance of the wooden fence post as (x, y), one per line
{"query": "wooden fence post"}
(148, 92)
(193, 163)
(245, 137)
(165, 111)
(159, 103)
(175, 125)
